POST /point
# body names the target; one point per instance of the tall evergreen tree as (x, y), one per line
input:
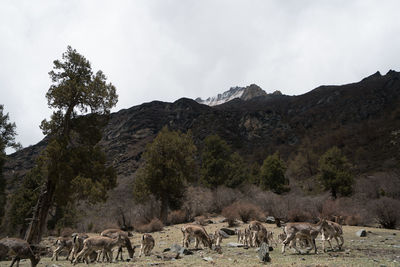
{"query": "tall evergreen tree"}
(169, 164)
(220, 166)
(72, 165)
(334, 172)
(272, 174)
(7, 139)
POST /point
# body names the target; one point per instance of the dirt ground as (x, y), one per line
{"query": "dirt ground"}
(381, 247)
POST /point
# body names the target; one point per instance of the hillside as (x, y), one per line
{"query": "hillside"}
(359, 115)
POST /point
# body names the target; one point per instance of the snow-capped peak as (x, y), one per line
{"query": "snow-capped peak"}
(244, 93)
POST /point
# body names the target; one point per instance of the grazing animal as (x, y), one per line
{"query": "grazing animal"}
(77, 244)
(127, 243)
(62, 243)
(146, 245)
(199, 234)
(254, 228)
(303, 230)
(332, 230)
(96, 243)
(17, 249)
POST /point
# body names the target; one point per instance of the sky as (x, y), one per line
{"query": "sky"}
(168, 49)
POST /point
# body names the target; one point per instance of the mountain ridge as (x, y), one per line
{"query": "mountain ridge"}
(352, 116)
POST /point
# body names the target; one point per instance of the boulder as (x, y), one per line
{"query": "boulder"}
(180, 250)
(263, 253)
(223, 234)
(228, 231)
(235, 245)
(361, 233)
(270, 219)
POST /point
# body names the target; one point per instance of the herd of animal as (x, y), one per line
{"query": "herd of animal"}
(81, 247)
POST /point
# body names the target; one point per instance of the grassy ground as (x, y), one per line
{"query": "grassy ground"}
(381, 247)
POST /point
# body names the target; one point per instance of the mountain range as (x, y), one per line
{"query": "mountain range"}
(361, 118)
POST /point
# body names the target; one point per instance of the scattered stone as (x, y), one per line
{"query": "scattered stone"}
(223, 234)
(180, 250)
(166, 250)
(361, 233)
(394, 233)
(303, 259)
(209, 259)
(270, 219)
(396, 246)
(235, 245)
(263, 253)
(228, 231)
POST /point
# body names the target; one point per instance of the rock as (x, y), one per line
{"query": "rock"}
(263, 253)
(223, 234)
(235, 245)
(209, 259)
(166, 250)
(180, 250)
(270, 219)
(223, 220)
(208, 222)
(361, 233)
(228, 231)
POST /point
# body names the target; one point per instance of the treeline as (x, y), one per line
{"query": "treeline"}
(172, 162)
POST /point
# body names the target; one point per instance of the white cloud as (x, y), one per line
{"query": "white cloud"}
(164, 50)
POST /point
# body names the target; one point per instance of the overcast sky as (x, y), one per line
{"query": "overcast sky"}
(165, 50)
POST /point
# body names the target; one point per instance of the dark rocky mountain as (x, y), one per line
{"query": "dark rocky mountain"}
(244, 93)
(361, 118)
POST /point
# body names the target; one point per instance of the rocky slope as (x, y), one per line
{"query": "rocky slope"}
(359, 117)
(244, 93)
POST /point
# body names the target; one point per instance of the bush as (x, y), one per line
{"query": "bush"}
(244, 211)
(177, 217)
(201, 220)
(154, 226)
(353, 220)
(386, 212)
(299, 215)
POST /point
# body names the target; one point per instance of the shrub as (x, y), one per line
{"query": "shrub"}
(201, 220)
(153, 226)
(67, 232)
(353, 220)
(386, 212)
(299, 215)
(177, 217)
(244, 211)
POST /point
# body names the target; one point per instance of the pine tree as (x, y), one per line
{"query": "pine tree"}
(73, 166)
(220, 166)
(169, 164)
(334, 172)
(7, 139)
(272, 174)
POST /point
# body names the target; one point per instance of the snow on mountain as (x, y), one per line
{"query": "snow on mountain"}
(244, 93)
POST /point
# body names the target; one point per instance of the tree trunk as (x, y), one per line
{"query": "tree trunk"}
(38, 223)
(164, 209)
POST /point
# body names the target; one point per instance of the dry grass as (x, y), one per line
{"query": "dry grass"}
(378, 248)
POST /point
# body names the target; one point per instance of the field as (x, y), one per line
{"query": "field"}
(381, 247)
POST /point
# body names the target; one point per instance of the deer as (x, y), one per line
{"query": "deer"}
(198, 232)
(147, 244)
(303, 230)
(254, 227)
(77, 244)
(17, 249)
(333, 230)
(127, 243)
(96, 243)
(62, 243)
